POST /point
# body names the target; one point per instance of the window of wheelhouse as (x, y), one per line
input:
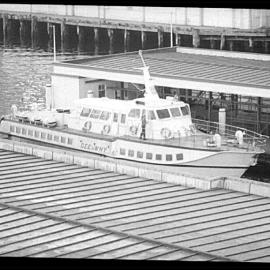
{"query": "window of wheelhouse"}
(151, 115)
(164, 113)
(123, 118)
(115, 117)
(175, 112)
(105, 115)
(134, 113)
(95, 114)
(185, 110)
(85, 112)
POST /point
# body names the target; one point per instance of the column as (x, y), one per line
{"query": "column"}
(110, 35)
(126, 40)
(96, 40)
(196, 38)
(143, 38)
(259, 114)
(160, 38)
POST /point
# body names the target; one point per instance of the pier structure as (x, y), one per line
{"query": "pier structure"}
(112, 29)
(68, 204)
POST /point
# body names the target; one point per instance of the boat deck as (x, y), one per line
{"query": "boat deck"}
(53, 209)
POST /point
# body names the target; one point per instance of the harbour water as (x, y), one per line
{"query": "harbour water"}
(24, 74)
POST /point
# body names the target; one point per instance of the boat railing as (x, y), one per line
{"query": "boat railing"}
(229, 131)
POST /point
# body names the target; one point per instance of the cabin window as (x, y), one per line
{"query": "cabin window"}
(36, 133)
(158, 157)
(95, 114)
(175, 112)
(115, 117)
(149, 155)
(185, 110)
(105, 115)
(179, 156)
(69, 141)
(24, 131)
(56, 138)
(122, 151)
(151, 115)
(131, 153)
(101, 90)
(123, 118)
(30, 132)
(85, 112)
(169, 157)
(134, 113)
(43, 135)
(139, 154)
(11, 128)
(162, 114)
(63, 139)
(18, 129)
(49, 137)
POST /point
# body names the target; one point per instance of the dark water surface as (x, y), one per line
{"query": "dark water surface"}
(24, 74)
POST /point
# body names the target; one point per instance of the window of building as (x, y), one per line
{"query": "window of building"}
(115, 117)
(131, 153)
(43, 135)
(11, 128)
(49, 137)
(122, 151)
(123, 118)
(139, 154)
(85, 112)
(175, 112)
(70, 141)
(95, 114)
(18, 129)
(36, 133)
(162, 114)
(56, 138)
(134, 113)
(63, 139)
(185, 110)
(169, 157)
(101, 90)
(30, 132)
(158, 156)
(149, 155)
(105, 115)
(179, 156)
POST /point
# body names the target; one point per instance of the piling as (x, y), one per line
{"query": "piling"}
(34, 30)
(96, 40)
(126, 40)
(111, 35)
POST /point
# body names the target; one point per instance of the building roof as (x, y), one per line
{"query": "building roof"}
(198, 69)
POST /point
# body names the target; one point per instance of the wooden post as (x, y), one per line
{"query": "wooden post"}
(96, 40)
(34, 32)
(126, 40)
(251, 44)
(160, 38)
(110, 35)
(50, 36)
(22, 33)
(5, 18)
(63, 33)
(196, 38)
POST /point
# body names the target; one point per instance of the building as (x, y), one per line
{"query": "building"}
(207, 79)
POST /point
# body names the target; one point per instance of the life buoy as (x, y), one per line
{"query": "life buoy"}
(106, 129)
(166, 133)
(87, 126)
(133, 130)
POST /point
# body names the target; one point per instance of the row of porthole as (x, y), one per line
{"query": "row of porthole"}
(41, 135)
(149, 156)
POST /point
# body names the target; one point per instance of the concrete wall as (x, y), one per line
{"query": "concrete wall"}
(133, 169)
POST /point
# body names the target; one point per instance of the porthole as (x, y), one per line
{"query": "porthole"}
(11, 128)
(63, 139)
(139, 154)
(43, 135)
(56, 138)
(131, 153)
(30, 132)
(70, 140)
(179, 156)
(24, 131)
(158, 156)
(18, 129)
(149, 155)
(49, 137)
(122, 151)
(36, 133)
(169, 157)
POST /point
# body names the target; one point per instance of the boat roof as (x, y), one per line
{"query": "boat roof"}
(113, 104)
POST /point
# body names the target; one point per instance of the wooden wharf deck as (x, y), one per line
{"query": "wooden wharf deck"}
(54, 209)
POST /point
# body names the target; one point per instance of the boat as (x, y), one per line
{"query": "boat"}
(115, 129)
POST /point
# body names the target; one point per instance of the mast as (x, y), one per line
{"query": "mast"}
(150, 90)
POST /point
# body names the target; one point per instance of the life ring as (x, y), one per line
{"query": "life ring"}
(166, 133)
(106, 129)
(87, 126)
(133, 130)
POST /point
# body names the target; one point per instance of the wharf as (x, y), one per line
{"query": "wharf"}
(64, 210)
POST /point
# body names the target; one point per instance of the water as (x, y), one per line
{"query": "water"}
(24, 74)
